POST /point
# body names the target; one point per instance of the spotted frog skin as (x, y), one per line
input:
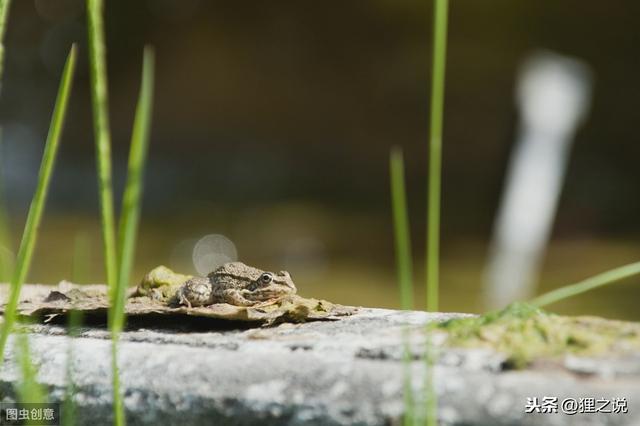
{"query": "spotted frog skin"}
(236, 284)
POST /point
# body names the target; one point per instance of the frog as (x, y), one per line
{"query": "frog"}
(236, 284)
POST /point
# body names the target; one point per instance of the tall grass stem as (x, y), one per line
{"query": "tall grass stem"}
(102, 136)
(588, 284)
(435, 152)
(6, 246)
(29, 390)
(440, 17)
(6, 251)
(4, 14)
(404, 268)
(132, 198)
(404, 262)
(25, 252)
(69, 405)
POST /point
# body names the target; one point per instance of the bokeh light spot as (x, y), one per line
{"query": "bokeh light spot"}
(212, 251)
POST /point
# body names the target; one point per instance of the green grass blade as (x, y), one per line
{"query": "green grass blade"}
(404, 267)
(119, 418)
(130, 218)
(132, 198)
(69, 406)
(440, 18)
(4, 13)
(590, 283)
(409, 418)
(6, 251)
(29, 390)
(6, 247)
(430, 389)
(34, 217)
(435, 152)
(102, 135)
(80, 257)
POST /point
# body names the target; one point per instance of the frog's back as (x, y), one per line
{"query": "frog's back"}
(236, 270)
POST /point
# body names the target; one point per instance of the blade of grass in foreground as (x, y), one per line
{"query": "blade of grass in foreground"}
(590, 283)
(132, 198)
(401, 229)
(79, 275)
(6, 252)
(69, 405)
(130, 217)
(23, 261)
(440, 17)
(4, 13)
(102, 137)
(404, 267)
(435, 151)
(29, 390)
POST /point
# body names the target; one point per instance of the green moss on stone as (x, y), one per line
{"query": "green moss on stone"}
(524, 333)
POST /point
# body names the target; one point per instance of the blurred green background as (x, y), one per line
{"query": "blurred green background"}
(273, 123)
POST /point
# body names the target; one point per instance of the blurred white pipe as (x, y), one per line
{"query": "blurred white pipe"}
(553, 95)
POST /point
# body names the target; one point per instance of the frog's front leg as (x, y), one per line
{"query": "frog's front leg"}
(233, 296)
(181, 299)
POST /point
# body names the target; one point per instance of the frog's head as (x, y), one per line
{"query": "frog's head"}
(270, 285)
(256, 285)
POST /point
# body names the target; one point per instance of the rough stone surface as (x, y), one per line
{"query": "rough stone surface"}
(347, 372)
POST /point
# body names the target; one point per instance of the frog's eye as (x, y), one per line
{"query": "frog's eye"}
(266, 278)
